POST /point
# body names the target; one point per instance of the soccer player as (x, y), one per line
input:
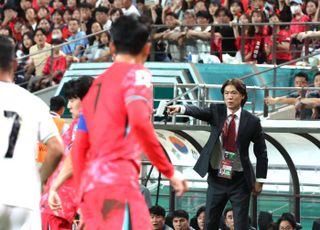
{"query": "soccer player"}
(113, 131)
(24, 121)
(62, 218)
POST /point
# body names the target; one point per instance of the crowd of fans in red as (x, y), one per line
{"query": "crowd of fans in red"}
(206, 30)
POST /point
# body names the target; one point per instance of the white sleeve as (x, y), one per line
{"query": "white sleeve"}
(47, 127)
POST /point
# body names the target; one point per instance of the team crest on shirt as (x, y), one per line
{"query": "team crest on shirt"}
(143, 77)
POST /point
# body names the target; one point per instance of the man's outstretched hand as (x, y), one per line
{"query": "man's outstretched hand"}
(179, 183)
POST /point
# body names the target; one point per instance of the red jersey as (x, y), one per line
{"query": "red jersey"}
(67, 192)
(59, 64)
(113, 154)
(282, 36)
(294, 29)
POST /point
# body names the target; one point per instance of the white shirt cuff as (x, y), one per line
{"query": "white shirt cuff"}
(261, 180)
(182, 109)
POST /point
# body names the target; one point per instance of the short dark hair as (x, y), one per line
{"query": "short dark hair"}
(129, 35)
(200, 210)
(78, 88)
(239, 85)
(180, 213)
(157, 210)
(7, 53)
(287, 216)
(39, 29)
(316, 74)
(226, 212)
(56, 103)
(102, 9)
(303, 75)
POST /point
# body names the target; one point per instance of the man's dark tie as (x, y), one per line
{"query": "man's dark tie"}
(229, 135)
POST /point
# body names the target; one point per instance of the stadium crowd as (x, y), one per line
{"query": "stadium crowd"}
(200, 31)
(179, 220)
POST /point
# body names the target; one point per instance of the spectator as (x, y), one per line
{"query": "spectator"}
(212, 9)
(242, 41)
(287, 222)
(297, 16)
(71, 5)
(300, 80)
(103, 52)
(101, 15)
(180, 220)
(43, 12)
(21, 76)
(157, 215)
(37, 60)
(283, 41)
(45, 24)
(314, 98)
(311, 10)
(31, 16)
(285, 12)
(200, 6)
(236, 9)
(78, 46)
(115, 13)
(129, 8)
(59, 66)
(168, 37)
(201, 217)
(67, 15)
(228, 223)
(86, 16)
(257, 34)
(91, 50)
(225, 34)
(202, 35)
(190, 44)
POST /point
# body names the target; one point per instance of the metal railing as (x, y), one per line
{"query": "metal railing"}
(198, 94)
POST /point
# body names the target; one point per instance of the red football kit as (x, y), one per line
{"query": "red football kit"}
(107, 153)
(62, 218)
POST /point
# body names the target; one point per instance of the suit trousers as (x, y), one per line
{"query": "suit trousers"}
(220, 191)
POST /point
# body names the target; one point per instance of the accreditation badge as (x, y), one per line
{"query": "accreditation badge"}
(225, 169)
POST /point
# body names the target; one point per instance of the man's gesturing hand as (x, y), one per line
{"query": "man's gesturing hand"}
(179, 183)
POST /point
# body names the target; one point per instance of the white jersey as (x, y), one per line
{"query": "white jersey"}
(24, 121)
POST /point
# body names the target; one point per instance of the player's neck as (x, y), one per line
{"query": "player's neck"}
(6, 77)
(132, 59)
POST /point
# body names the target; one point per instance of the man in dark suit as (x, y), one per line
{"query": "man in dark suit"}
(226, 154)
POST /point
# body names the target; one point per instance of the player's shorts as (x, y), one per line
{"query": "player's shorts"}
(18, 218)
(116, 208)
(51, 222)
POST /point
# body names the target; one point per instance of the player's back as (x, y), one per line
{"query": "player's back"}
(23, 121)
(105, 110)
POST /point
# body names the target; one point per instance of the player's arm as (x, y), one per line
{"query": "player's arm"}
(65, 173)
(142, 128)
(80, 147)
(54, 154)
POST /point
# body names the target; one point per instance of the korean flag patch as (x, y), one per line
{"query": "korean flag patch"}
(143, 77)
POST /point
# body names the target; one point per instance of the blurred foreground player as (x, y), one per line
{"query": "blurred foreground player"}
(61, 182)
(24, 120)
(113, 131)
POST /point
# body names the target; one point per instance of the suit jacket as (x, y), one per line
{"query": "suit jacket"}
(249, 131)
